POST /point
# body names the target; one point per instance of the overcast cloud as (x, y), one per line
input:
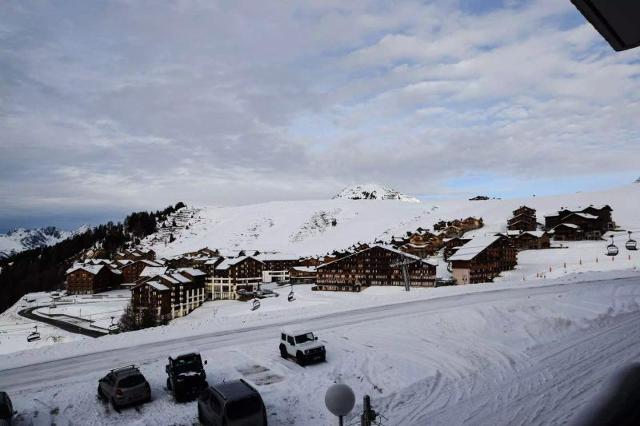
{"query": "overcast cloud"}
(107, 107)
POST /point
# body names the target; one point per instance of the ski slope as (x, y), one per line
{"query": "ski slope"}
(494, 354)
(317, 227)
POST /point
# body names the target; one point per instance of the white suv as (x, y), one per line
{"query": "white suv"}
(302, 345)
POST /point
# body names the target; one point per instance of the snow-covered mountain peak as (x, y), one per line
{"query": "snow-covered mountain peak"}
(373, 192)
(21, 239)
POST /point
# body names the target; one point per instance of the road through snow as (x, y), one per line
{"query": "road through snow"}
(517, 356)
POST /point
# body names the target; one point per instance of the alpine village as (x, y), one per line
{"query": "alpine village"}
(163, 289)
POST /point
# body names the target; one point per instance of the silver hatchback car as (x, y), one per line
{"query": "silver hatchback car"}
(124, 386)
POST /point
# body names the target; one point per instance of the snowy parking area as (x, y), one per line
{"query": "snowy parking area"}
(501, 353)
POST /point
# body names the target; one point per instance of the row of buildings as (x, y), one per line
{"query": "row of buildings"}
(589, 223)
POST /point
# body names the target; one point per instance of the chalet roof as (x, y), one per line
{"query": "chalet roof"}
(586, 216)
(265, 257)
(192, 271)
(92, 269)
(304, 268)
(388, 248)
(474, 247)
(228, 262)
(149, 262)
(568, 225)
(212, 261)
(158, 286)
(152, 271)
(169, 278)
(537, 234)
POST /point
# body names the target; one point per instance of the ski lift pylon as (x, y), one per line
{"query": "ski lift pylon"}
(34, 335)
(631, 244)
(612, 249)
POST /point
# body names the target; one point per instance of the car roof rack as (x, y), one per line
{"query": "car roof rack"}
(124, 367)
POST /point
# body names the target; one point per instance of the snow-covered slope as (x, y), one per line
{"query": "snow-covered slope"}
(318, 227)
(24, 239)
(373, 192)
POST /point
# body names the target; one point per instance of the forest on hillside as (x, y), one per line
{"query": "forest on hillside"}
(43, 269)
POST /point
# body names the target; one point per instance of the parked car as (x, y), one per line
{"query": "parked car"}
(6, 409)
(186, 376)
(234, 403)
(123, 387)
(303, 345)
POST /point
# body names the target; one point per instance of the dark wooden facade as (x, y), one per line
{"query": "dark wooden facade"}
(531, 240)
(482, 259)
(242, 273)
(174, 294)
(303, 275)
(131, 272)
(451, 245)
(90, 279)
(524, 219)
(567, 232)
(373, 267)
(592, 221)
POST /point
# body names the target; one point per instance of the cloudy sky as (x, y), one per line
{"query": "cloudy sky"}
(111, 106)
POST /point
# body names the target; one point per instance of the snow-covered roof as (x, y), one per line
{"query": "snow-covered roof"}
(276, 256)
(192, 271)
(152, 271)
(586, 216)
(474, 247)
(212, 261)
(92, 269)
(158, 286)
(180, 278)
(168, 277)
(537, 234)
(568, 225)
(227, 263)
(304, 268)
(388, 248)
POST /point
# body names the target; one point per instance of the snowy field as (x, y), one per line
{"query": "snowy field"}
(531, 348)
(90, 309)
(307, 227)
(501, 353)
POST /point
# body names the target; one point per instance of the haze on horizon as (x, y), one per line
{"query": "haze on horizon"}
(109, 107)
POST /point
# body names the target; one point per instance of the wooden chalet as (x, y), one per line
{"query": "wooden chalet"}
(131, 271)
(276, 266)
(233, 274)
(89, 279)
(524, 219)
(567, 232)
(136, 254)
(450, 245)
(173, 294)
(373, 267)
(482, 259)
(303, 275)
(529, 240)
(592, 223)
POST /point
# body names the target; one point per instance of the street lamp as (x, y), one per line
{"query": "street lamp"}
(340, 400)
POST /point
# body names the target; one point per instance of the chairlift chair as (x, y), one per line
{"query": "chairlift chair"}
(631, 243)
(113, 327)
(33, 336)
(256, 304)
(612, 249)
